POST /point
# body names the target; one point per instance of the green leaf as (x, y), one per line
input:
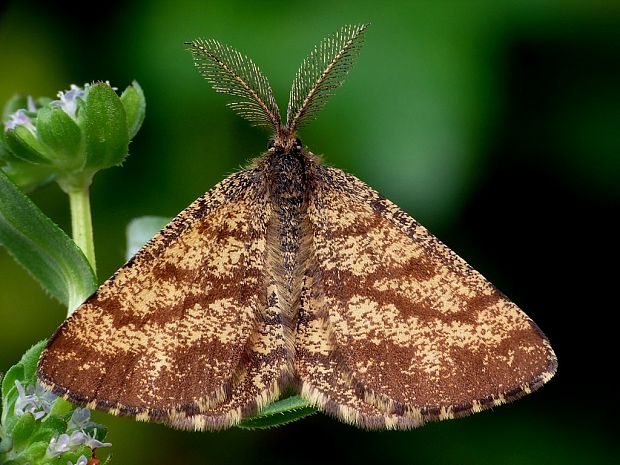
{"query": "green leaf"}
(42, 248)
(62, 135)
(6, 444)
(135, 107)
(25, 145)
(25, 372)
(140, 230)
(12, 462)
(36, 451)
(61, 407)
(55, 423)
(8, 405)
(30, 360)
(279, 413)
(22, 430)
(104, 124)
(44, 434)
(16, 372)
(28, 176)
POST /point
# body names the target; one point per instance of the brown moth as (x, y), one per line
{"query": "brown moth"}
(294, 275)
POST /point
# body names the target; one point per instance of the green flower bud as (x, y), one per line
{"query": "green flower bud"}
(62, 136)
(135, 107)
(86, 130)
(25, 174)
(22, 140)
(104, 124)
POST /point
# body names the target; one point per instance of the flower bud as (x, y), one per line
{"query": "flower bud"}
(22, 140)
(62, 137)
(69, 139)
(135, 107)
(103, 122)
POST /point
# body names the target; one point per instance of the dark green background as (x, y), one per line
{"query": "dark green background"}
(497, 125)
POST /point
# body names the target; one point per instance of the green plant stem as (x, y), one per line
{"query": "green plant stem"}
(81, 223)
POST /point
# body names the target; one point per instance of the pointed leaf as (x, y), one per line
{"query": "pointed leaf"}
(16, 372)
(135, 107)
(62, 135)
(23, 429)
(42, 248)
(30, 360)
(25, 145)
(279, 413)
(104, 124)
(36, 451)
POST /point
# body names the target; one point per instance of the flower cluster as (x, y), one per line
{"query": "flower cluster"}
(69, 139)
(39, 428)
(76, 435)
(34, 400)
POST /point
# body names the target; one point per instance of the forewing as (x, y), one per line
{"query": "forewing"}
(164, 337)
(422, 334)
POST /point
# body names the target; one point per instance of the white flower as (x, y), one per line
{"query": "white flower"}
(93, 442)
(80, 419)
(68, 99)
(59, 444)
(20, 118)
(36, 400)
(78, 438)
(81, 461)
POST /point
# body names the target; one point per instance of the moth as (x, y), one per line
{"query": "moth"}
(293, 275)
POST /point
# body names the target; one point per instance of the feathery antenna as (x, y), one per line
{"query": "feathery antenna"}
(322, 72)
(230, 72)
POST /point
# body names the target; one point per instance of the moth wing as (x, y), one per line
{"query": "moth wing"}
(324, 377)
(258, 380)
(165, 336)
(419, 333)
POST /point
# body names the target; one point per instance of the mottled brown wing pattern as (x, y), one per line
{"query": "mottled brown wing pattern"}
(324, 377)
(420, 334)
(177, 331)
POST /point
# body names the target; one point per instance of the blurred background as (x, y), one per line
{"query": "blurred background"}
(495, 124)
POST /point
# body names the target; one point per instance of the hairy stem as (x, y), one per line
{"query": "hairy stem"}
(81, 223)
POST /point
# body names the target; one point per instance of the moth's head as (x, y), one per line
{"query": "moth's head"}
(284, 141)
